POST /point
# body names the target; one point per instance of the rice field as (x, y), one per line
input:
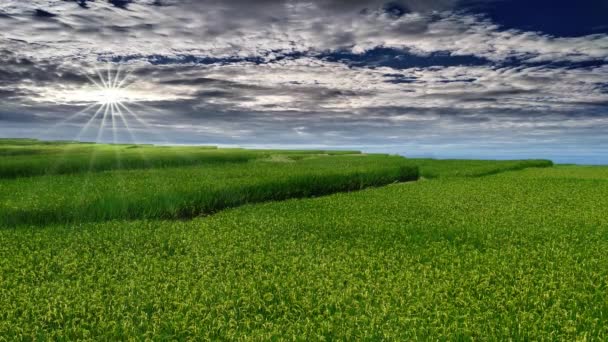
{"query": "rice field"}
(27, 157)
(474, 250)
(432, 168)
(178, 193)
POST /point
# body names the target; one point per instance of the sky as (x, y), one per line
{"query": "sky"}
(493, 79)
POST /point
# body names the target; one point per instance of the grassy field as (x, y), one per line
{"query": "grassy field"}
(475, 250)
(189, 191)
(432, 168)
(27, 157)
(174, 183)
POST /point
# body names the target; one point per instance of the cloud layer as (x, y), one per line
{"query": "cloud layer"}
(411, 76)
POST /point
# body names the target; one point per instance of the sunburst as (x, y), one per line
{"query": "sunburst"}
(109, 99)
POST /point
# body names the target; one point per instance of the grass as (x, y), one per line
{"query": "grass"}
(433, 168)
(481, 250)
(518, 256)
(148, 185)
(73, 182)
(27, 157)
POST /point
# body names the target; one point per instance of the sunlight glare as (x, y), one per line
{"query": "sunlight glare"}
(109, 97)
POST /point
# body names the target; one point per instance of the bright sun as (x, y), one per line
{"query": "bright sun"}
(110, 89)
(110, 99)
(110, 95)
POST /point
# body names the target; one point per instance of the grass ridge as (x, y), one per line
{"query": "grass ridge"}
(180, 193)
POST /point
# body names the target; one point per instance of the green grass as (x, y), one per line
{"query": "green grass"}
(519, 255)
(27, 157)
(434, 168)
(36, 142)
(479, 250)
(104, 159)
(76, 182)
(185, 192)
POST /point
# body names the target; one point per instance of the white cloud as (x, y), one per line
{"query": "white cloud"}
(213, 28)
(305, 97)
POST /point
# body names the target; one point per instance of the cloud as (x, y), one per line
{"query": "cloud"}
(214, 29)
(333, 72)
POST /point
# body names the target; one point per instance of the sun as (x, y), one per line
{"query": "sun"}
(110, 90)
(111, 95)
(110, 98)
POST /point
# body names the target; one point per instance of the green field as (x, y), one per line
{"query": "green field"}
(431, 250)
(25, 157)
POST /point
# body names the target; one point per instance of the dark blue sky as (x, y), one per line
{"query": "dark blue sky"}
(554, 17)
(442, 78)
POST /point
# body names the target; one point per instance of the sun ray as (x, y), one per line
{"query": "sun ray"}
(92, 80)
(112, 116)
(94, 152)
(102, 125)
(126, 124)
(125, 78)
(99, 74)
(86, 126)
(154, 130)
(131, 134)
(139, 119)
(146, 107)
(64, 151)
(114, 139)
(81, 112)
(112, 107)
